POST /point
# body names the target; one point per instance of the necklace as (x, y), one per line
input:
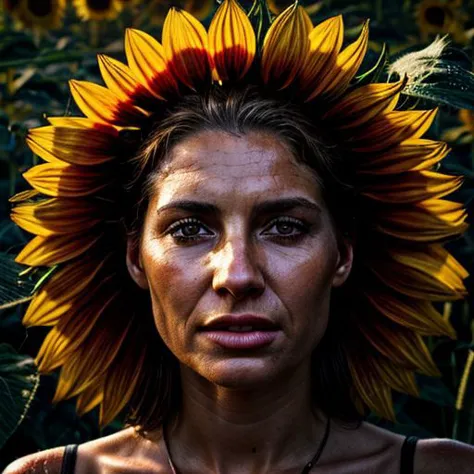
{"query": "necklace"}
(305, 470)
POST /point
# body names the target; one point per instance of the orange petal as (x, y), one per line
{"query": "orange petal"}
(97, 144)
(414, 154)
(63, 180)
(325, 42)
(232, 42)
(89, 398)
(56, 216)
(57, 249)
(285, 47)
(100, 104)
(392, 128)
(147, 60)
(186, 47)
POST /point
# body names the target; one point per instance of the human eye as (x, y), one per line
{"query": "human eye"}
(187, 230)
(287, 228)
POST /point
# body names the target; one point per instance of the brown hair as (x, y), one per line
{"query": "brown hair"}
(239, 111)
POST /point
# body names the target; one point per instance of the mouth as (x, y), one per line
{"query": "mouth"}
(241, 332)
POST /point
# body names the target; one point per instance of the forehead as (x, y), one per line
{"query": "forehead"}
(215, 164)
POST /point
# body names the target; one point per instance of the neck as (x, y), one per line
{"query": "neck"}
(273, 428)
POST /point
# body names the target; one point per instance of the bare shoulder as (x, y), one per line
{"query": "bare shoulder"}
(439, 456)
(48, 461)
(124, 452)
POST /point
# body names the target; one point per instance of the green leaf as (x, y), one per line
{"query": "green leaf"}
(434, 390)
(373, 74)
(19, 381)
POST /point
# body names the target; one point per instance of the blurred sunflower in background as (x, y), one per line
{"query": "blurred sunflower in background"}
(277, 6)
(98, 9)
(463, 133)
(436, 17)
(34, 14)
(200, 9)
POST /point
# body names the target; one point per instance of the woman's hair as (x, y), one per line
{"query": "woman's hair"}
(241, 111)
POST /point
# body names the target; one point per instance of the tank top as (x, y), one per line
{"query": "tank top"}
(406, 461)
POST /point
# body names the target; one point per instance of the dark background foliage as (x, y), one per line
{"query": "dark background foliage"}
(37, 60)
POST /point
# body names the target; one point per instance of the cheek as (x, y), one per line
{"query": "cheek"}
(172, 282)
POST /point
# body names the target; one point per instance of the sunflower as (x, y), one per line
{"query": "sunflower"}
(277, 6)
(74, 209)
(441, 17)
(44, 15)
(463, 133)
(200, 9)
(98, 9)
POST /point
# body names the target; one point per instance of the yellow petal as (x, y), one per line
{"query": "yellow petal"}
(97, 144)
(347, 64)
(411, 187)
(23, 196)
(147, 60)
(122, 82)
(416, 315)
(392, 128)
(434, 220)
(122, 377)
(414, 154)
(100, 104)
(57, 249)
(186, 47)
(325, 42)
(232, 42)
(401, 346)
(285, 47)
(56, 216)
(89, 398)
(56, 297)
(63, 180)
(364, 104)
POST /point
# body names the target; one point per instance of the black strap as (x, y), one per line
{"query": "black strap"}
(69, 459)
(408, 455)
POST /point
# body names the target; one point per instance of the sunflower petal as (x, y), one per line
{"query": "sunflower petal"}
(65, 181)
(285, 47)
(232, 42)
(89, 398)
(55, 298)
(56, 249)
(412, 187)
(102, 105)
(186, 47)
(392, 128)
(410, 155)
(325, 42)
(364, 104)
(98, 144)
(56, 216)
(438, 218)
(147, 60)
(416, 315)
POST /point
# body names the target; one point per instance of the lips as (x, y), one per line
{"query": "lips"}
(240, 323)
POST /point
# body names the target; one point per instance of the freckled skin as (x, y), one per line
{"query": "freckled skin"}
(239, 264)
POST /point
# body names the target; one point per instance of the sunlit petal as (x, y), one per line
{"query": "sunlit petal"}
(285, 47)
(232, 41)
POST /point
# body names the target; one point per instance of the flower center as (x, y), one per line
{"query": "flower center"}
(435, 16)
(10, 5)
(43, 8)
(100, 5)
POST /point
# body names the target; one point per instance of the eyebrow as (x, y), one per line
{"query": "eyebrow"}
(264, 207)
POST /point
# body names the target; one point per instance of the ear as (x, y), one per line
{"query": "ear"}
(135, 266)
(344, 264)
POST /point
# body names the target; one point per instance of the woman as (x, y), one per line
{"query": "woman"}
(280, 255)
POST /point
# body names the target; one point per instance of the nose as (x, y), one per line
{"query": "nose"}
(236, 270)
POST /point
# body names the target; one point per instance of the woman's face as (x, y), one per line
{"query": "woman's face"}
(235, 226)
